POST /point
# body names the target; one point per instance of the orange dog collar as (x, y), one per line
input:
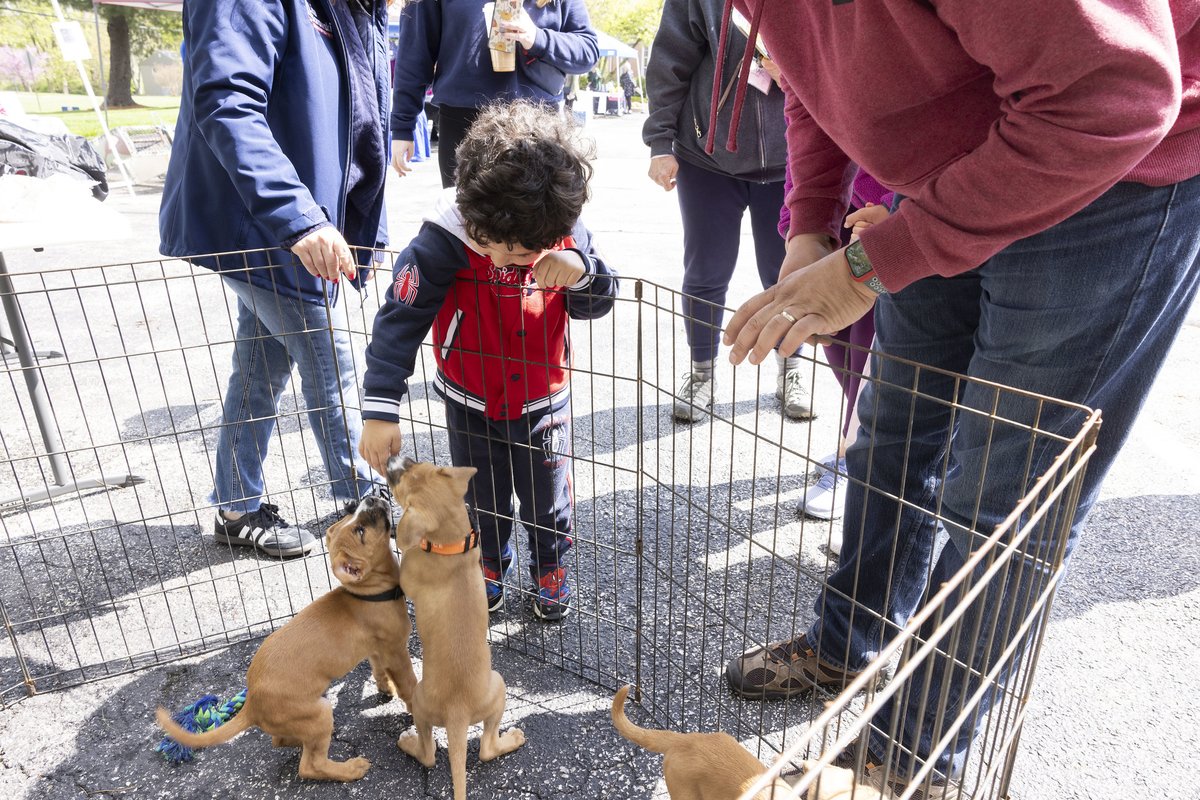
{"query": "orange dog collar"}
(470, 542)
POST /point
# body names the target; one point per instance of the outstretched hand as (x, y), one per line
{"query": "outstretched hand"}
(380, 441)
(808, 304)
(325, 254)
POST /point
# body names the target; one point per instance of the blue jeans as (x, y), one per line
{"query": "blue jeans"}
(1084, 311)
(273, 334)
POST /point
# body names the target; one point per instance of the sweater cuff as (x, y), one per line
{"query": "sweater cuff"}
(894, 254)
(814, 215)
(541, 40)
(662, 147)
(383, 408)
(290, 241)
(590, 268)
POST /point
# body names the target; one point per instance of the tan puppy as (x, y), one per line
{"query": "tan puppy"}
(836, 783)
(699, 766)
(366, 617)
(441, 574)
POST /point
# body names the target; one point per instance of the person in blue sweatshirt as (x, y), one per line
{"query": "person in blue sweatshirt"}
(445, 44)
(278, 165)
(498, 269)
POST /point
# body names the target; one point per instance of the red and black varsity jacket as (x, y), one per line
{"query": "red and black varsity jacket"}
(501, 344)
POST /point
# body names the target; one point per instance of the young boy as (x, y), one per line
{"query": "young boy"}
(496, 270)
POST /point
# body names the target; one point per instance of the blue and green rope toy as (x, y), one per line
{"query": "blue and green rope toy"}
(203, 715)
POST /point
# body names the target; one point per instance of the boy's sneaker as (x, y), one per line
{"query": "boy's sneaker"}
(493, 581)
(553, 599)
(791, 394)
(695, 397)
(264, 530)
(826, 499)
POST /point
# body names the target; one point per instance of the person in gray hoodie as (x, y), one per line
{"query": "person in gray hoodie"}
(715, 190)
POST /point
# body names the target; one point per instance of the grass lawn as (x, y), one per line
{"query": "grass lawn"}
(83, 122)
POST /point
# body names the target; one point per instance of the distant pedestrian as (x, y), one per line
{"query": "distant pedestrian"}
(445, 44)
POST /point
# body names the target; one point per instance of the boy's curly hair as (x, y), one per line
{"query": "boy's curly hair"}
(522, 176)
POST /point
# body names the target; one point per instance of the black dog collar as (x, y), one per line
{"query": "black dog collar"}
(396, 593)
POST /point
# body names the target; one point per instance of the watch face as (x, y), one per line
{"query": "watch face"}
(856, 257)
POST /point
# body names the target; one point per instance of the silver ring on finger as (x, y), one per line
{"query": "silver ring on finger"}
(788, 316)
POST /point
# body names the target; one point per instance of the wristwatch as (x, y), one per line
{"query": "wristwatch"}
(861, 269)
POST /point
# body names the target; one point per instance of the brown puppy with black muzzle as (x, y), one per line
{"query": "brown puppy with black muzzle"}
(366, 617)
(699, 766)
(442, 576)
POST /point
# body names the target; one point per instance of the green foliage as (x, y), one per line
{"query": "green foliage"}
(26, 24)
(634, 22)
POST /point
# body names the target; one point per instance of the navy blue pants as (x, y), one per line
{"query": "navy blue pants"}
(527, 457)
(712, 206)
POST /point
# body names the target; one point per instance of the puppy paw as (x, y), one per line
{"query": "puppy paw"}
(508, 741)
(411, 743)
(356, 768)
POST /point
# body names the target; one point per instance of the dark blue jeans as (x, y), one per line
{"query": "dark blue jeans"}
(529, 457)
(712, 206)
(1084, 311)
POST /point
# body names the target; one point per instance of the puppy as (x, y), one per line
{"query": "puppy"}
(366, 617)
(699, 766)
(836, 783)
(441, 574)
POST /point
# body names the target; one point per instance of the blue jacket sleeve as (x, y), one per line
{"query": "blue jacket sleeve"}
(573, 47)
(427, 267)
(234, 48)
(596, 292)
(416, 55)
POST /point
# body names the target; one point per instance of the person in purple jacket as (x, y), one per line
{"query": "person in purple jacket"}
(445, 44)
(846, 354)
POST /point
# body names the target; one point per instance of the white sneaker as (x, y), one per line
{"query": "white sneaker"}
(791, 394)
(826, 499)
(695, 398)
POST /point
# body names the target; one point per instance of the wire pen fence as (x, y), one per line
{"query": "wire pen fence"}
(688, 548)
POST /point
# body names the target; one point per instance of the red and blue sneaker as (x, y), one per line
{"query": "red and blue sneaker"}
(493, 581)
(553, 599)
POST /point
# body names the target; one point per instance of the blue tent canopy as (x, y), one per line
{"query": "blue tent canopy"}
(610, 46)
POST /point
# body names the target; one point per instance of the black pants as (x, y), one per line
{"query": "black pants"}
(712, 206)
(529, 457)
(453, 124)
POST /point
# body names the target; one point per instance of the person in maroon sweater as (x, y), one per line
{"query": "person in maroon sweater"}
(1048, 155)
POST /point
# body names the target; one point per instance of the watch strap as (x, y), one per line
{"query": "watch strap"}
(861, 269)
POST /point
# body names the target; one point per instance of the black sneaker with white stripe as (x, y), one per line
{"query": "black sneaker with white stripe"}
(265, 531)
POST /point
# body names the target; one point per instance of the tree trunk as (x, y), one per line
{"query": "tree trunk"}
(120, 65)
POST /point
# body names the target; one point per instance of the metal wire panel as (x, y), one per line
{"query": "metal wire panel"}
(687, 545)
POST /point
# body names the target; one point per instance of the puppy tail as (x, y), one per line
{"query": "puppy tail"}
(656, 741)
(218, 735)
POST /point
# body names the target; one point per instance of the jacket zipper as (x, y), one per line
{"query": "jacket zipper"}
(349, 135)
(451, 334)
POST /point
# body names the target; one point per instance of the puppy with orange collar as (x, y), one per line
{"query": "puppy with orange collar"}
(442, 576)
(365, 617)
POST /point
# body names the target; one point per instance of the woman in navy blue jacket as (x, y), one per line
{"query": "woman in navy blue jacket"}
(281, 150)
(446, 43)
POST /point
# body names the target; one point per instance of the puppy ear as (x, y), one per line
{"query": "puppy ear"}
(396, 466)
(461, 477)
